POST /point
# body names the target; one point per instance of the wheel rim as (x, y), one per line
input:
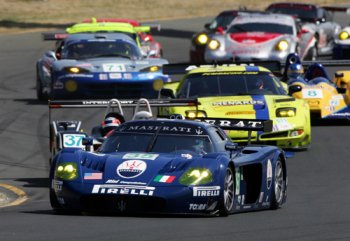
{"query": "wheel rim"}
(279, 186)
(229, 190)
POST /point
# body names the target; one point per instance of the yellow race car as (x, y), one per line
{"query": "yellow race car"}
(243, 92)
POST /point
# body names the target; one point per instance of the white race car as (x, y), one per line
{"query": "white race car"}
(261, 36)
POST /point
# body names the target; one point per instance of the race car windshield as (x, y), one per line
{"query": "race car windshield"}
(140, 142)
(225, 84)
(261, 27)
(222, 21)
(95, 49)
(302, 12)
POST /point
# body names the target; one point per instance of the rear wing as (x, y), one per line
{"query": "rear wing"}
(183, 68)
(152, 26)
(235, 124)
(337, 9)
(54, 36)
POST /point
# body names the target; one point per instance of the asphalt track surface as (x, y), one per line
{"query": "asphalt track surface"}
(319, 182)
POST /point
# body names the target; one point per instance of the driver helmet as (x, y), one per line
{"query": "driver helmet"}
(110, 123)
(295, 70)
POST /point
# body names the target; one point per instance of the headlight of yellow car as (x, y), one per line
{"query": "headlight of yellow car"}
(158, 84)
(343, 35)
(282, 45)
(286, 112)
(67, 171)
(192, 114)
(213, 44)
(202, 39)
(151, 69)
(196, 176)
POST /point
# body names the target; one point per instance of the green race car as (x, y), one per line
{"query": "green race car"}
(243, 92)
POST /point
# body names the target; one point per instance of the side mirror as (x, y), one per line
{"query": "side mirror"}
(167, 93)
(294, 88)
(231, 146)
(151, 53)
(51, 54)
(207, 25)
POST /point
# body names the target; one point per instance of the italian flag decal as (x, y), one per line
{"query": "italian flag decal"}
(166, 179)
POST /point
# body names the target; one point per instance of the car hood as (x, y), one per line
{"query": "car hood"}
(253, 37)
(141, 168)
(110, 64)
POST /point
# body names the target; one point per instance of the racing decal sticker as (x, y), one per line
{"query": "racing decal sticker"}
(238, 181)
(103, 77)
(239, 102)
(282, 124)
(206, 191)
(269, 174)
(312, 93)
(122, 189)
(164, 178)
(57, 185)
(115, 76)
(113, 67)
(127, 76)
(144, 156)
(73, 140)
(131, 168)
(195, 207)
(93, 176)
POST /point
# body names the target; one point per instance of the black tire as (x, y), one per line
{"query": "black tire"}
(227, 200)
(279, 185)
(39, 89)
(54, 202)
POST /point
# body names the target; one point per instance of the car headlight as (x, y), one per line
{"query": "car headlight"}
(282, 45)
(67, 171)
(76, 70)
(71, 85)
(202, 39)
(151, 69)
(213, 44)
(192, 114)
(196, 176)
(343, 35)
(158, 84)
(286, 112)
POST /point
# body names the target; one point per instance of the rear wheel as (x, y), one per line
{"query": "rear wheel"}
(279, 186)
(228, 199)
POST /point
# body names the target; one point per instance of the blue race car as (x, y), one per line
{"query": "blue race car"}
(171, 167)
(98, 65)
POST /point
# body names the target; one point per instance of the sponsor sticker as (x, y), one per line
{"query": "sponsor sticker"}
(269, 174)
(282, 124)
(93, 176)
(123, 189)
(131, 168)
(164, 178)
(143, 156)
(195, 206)
(115, 75)
(210, 191)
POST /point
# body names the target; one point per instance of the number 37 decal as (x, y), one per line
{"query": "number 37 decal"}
(73, 140)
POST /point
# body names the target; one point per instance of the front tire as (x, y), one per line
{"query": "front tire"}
(279, 185)
(227, 201)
